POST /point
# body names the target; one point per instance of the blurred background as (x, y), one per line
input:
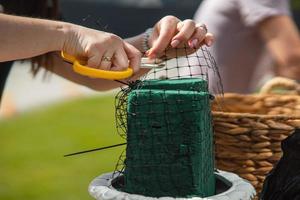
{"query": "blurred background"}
(45, 117)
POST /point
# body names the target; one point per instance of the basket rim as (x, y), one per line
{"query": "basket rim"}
(262, 95)
(250, 115)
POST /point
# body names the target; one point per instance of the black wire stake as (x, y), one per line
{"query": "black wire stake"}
(124, 83)
(97, 149)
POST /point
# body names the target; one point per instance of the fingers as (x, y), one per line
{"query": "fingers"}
(209, 39)
(120, 61)
(134, 56)
(94, 58)
(107, 60)
(110, 60)
(198, 36)
(171, 32)
(166, 29)
(185, 29)
(115, 59)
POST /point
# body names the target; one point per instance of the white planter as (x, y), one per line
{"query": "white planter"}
(239, 189)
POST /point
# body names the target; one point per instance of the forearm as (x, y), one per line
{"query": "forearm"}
(289, 65)
(287, 59)
(283, 41)
(22, 37)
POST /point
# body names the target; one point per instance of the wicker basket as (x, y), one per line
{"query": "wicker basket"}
(250, 128)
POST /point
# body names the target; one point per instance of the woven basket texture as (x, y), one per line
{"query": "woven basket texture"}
(249, 129)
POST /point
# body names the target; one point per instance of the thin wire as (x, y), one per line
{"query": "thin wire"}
(97, 149)
(124, 83)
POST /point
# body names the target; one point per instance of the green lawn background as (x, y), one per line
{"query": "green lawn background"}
(32, 146)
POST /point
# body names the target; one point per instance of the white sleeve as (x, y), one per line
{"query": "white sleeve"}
(255, 11)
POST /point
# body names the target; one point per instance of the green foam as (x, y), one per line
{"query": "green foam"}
(169, 140)
(188, 84)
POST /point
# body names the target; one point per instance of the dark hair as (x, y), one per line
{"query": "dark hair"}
(47, 9)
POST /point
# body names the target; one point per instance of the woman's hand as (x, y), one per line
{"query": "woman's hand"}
(170, 33)
(102, 50)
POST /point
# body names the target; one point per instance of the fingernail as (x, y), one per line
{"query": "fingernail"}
(175, 43)
(194, 43)
(151, 55)
(147, 53)
(209, 43)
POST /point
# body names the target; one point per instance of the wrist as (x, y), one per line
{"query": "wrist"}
(146, 39)
(65, 32)
(136, 41)
(142, 41)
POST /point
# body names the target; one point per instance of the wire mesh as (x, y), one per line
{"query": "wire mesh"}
(179, 64)
(165, 118)
(169, 144)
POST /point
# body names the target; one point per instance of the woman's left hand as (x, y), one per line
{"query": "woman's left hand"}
(172, 37)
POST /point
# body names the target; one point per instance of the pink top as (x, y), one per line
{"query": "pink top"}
(239, 52)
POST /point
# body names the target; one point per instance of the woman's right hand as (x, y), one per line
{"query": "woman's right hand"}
(102, 50)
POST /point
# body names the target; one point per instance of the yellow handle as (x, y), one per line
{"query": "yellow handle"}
(95, 73)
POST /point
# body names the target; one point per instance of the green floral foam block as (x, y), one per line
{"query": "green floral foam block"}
(188, 84)
(169, 140)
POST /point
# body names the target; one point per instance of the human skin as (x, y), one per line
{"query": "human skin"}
(282, 39)
(23, 38)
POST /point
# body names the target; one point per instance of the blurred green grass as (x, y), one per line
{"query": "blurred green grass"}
(32, 146)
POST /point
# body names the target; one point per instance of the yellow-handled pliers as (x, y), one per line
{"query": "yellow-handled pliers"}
(80, 68)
